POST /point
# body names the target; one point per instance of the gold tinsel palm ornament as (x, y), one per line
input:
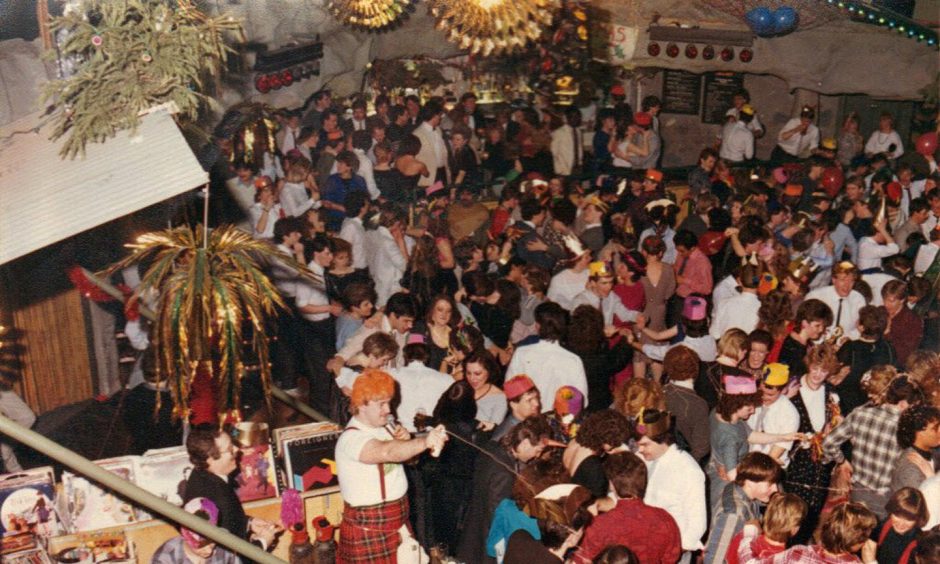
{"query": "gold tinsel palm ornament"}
(492, 26)
(210, 287)
(371, 15)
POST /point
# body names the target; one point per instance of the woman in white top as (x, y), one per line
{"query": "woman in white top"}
(876, 245)
(298, 190)
(265, 212)
(387, 254)
(885, 139)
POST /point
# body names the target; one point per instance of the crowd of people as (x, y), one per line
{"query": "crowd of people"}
(542, 354)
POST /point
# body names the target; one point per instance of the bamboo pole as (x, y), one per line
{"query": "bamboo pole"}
(136, 494)
(278, 393)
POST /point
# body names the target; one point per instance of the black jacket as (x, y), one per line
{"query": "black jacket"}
(232, 518)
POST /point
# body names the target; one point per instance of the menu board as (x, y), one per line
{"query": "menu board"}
(719, 95)
(681, 92)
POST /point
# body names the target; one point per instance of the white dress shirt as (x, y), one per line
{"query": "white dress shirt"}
(778, 418)
(386, 263)
(420, 387)
(354, 233)
(550, 367)
(566, 285)
(677, 485)
(738, 312)
(870, 253)
(287, 139)
(925, 257)
(850, 308)
(308, 294)
(798, 145)
(726, 289)
(255, 213)
(295, 199)
(737, 142)
(609, 307)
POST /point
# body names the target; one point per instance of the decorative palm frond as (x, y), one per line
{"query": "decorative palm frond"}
(206, 297)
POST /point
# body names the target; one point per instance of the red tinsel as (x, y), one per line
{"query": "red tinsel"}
(94, 293)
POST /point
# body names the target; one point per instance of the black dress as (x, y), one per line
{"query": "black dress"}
(436, 354)
(806, 477)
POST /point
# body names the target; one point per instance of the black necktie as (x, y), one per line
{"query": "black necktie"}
(577, 149)
(839, 313)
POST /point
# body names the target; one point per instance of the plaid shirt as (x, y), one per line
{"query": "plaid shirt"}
(729, 514)
(875, 448)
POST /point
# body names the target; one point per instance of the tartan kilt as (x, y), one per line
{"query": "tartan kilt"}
(370, 533)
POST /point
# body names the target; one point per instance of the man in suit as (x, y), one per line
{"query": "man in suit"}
(530, 246)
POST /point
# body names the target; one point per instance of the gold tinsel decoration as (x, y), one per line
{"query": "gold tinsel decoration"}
(369, 15)
(492, 26)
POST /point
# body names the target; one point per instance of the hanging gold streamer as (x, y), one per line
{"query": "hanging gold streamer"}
(370, 15)
(492, 26)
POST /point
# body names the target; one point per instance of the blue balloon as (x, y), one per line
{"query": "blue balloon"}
(785, 19)
(761, 20)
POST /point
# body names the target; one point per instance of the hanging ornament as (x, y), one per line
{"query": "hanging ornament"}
(275, 81)
(146, 57)
(691, 51)
(262, 84)
(370, 15)
(727, 54)
(97, 40)
(492, 26)
(287, 78)
(672, 50)
(708, 52)
(653, 49)
(583, 32)
(785, 20)
(746, 55)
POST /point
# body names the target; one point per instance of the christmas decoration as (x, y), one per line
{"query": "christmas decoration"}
(760, 20)
(163, 50)
(672, 50)
(210, 288)
(370, 15)
(653, 49)
(691, 51)
(876, 15)
(708, 53)
(492, 26)
(251, 127)
(727, 54)
(746, 55)
(786, 19)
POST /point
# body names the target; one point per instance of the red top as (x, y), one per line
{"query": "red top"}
(650, 532)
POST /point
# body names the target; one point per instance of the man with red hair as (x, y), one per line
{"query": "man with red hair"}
(372, 480)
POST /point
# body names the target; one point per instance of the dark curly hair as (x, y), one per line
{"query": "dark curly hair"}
(914, 420)
(605, 427)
